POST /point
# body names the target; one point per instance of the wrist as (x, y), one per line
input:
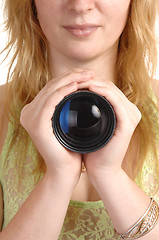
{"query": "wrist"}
(105, 173)
(61, 179)
(106, 177)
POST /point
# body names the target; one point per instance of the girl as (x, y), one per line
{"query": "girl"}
(47, 191)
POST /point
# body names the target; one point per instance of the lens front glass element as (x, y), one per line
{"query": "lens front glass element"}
(83, 121)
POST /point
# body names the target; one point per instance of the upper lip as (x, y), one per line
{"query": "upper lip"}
(82, 26)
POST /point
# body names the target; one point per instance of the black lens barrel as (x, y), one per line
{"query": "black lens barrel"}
(84, 121)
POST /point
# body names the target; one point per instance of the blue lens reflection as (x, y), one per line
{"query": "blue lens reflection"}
(64, 117)
(80, 118)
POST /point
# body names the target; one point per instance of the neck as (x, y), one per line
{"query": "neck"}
(104, 65)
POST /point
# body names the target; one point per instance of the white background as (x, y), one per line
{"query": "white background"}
(3, 37)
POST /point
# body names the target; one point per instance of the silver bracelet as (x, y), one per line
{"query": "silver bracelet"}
(145, 224)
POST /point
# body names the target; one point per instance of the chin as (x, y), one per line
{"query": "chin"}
(83, 54)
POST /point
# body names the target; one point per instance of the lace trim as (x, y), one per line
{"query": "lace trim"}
(88, 205)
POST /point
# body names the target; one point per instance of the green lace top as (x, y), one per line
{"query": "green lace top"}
(84, 220)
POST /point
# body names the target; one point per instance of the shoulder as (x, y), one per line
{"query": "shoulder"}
(3, 117)
(155, 88)
(2, 91)
(2, 96)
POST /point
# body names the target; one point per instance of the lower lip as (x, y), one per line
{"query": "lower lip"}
(86, 32)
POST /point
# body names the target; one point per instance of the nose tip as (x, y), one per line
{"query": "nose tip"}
(81, 6)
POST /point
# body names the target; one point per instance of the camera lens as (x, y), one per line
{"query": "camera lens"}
(83, 121)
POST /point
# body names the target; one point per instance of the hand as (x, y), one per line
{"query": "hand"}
(36, 119)
(110, 157)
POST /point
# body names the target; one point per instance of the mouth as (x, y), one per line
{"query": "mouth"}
(84, 30)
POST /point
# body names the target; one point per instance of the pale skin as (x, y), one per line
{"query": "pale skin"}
(76, 63)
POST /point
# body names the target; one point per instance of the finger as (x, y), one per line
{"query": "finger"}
(127, 113)
(76, 75)
(53, 99)
(105, 89)
(109, 85)
(86, 84)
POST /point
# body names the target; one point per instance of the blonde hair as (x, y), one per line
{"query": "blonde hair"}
(136, 64)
